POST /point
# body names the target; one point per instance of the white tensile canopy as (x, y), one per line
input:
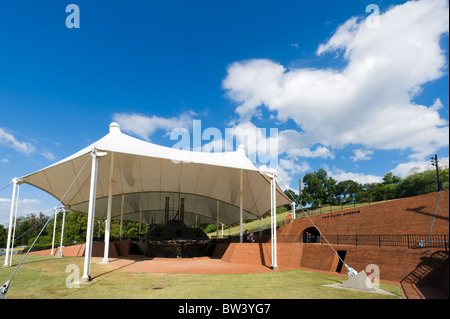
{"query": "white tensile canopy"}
(133, 179)
(145, 174)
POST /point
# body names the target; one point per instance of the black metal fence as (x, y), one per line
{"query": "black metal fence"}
(409, 241)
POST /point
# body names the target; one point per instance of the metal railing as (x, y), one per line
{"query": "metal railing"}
(409, 241)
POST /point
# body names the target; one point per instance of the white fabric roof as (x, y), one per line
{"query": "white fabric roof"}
(146, 173)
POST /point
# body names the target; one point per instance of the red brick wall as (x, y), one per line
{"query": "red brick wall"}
(412, 215)
(98, 250)
(404, 216)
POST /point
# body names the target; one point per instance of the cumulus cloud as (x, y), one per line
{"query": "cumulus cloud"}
(286, 169)
(26, 206)
(145, 126)
(361, 155)
(320, 151)
(8, 140)
(340, 175)
(369, 102)
(48, 155)
(404, 169)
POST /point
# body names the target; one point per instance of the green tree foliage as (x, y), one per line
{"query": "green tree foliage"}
(292, 195)
(3, 235)
(318, 189)
(347, 191)
(75, 227)
(388, 189)
(422, 183)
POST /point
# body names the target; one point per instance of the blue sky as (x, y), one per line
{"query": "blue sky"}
(355, 98)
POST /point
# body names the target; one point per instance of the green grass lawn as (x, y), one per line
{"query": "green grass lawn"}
(44, 277)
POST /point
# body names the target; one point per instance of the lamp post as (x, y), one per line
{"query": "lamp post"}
(434, 162)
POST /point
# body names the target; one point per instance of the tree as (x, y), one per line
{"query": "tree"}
(367, 193)
(388, 188)
(390, 178)
(318, 189)
(346, 191)
(292, 195)
(3, 235)
(422, 182)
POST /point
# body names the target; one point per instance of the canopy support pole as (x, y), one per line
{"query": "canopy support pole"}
(293, 210)
(60, 253)
(271, 221)
(241, 207)
(15, 224)
(217, 220)
(273, 197)
(54, 232)
(108, 212)
(13, 205)
(121, 216)
(91, 212)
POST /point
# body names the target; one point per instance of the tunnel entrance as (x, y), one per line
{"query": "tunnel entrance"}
(311, 235)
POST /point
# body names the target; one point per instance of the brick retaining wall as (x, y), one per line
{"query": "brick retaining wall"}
(414, 215)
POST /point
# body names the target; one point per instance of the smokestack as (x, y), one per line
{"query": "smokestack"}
(166, 209)
(182, 210)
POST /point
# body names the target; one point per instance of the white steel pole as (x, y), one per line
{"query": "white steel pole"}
(275, 265)
(241, 207)
(15, 223)
(271, 219)
(217, 220)
(13, 203)
(91, 211)
(60, 253)
(108, 212)
(293, 210)
(54, 232)
(121, 216)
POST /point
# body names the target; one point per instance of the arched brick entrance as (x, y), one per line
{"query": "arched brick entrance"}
(310, 235)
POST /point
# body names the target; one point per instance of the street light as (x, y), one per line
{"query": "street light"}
(434, 162)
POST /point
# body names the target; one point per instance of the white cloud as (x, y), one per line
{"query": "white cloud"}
(285, 171)
(320, 151)
(404, 169)
(370, 101)
(48, 155)
(8, 140)
(26, 206)
(361, 155)
(144, 126)
(340, 175)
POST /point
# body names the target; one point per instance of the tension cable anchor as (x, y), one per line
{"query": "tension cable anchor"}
(4, 289)
(350, 271)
